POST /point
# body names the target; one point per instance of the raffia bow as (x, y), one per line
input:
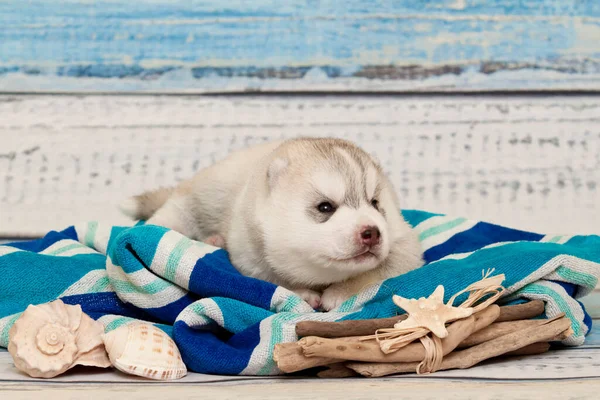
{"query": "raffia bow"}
(393, 339)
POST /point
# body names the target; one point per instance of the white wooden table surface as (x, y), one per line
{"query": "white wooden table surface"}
(560, 374)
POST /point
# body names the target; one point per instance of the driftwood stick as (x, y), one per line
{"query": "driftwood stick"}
(370, 351)
(290, 357)
(539, 347)
(374, 370)
(337, 370)
(366, 327)
(529, 350)
(517, 312)
(498, 329)
(486, 317)
(552, 329)
(361, 327)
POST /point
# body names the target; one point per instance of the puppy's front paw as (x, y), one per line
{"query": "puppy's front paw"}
(333, 297)
(215, 240)
(310, 296)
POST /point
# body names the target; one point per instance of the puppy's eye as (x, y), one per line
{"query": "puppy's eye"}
(375, 204)
(326, 207)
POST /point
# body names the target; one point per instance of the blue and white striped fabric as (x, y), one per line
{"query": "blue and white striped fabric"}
(225, 323)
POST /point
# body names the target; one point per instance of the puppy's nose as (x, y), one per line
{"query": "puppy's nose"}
(370, 235)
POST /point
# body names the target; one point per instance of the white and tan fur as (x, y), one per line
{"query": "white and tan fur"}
(262, 205)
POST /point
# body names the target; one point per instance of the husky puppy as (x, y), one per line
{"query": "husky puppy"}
(317, 216)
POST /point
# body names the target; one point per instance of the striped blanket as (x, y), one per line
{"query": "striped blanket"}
(226, 323)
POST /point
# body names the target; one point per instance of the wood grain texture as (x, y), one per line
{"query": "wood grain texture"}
(323, 389)
(574, 363)
(565, 374)
(263, 45)
(529, 163)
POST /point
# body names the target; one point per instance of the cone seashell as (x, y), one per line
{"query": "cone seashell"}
(144, 350)
(51, 338)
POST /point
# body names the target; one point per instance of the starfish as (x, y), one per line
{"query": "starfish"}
(430, 313)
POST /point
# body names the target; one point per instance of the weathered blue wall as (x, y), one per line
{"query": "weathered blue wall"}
(294, 45)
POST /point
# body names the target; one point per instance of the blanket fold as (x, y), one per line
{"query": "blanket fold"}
(226, 323)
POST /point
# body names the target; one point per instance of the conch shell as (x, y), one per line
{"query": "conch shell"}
(144, 350)
(51, 338)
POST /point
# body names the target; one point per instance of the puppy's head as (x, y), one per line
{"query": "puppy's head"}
(330, 212)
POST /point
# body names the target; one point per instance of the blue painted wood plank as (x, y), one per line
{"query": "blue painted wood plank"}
(261, 44)
(593, 338)
(592, 304)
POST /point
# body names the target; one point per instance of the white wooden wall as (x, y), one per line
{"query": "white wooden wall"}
(525, 162)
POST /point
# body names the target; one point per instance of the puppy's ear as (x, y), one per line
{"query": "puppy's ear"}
(277, 167)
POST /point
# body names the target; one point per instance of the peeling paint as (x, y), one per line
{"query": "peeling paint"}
(411, 41)
(485, 158)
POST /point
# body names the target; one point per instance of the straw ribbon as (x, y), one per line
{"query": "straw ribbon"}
(481, 294)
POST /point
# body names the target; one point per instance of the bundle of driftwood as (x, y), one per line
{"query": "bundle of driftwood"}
(379, 347)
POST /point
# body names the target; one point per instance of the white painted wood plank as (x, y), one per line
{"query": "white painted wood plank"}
(573, 363)
(329, 389)
(517, 375)
(530, 163)
(558, 364)
(8, 373)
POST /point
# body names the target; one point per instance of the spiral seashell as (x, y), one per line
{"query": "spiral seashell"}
(144, 350)
(51, 338)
